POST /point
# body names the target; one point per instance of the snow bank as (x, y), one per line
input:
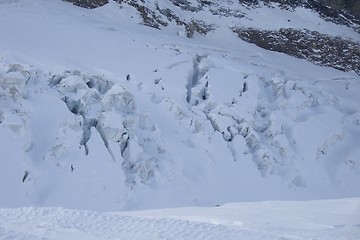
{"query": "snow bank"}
(330, 219)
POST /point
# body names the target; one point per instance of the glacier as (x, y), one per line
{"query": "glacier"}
(101, 113)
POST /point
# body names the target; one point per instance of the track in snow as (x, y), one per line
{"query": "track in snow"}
(326, 219)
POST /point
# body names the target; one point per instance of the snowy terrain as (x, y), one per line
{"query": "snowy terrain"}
(325, 219)
(100, 113)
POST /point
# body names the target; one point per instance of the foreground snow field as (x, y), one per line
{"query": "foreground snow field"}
(326, 219)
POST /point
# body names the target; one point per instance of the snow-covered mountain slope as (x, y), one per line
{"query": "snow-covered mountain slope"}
(323, 32)
(98, 112)
(330, 219)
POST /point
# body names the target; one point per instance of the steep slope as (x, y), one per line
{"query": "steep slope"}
(98, 112)
(302, 29)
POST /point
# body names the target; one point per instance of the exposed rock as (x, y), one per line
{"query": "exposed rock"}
(88, 3)
(318, 48)
(150, 17)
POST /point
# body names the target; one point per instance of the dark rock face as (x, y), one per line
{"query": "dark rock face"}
(160, 17)
(150, 17)
(337, 11)
(318, 48)
(88, 3)
(351, 6)
(329, 9)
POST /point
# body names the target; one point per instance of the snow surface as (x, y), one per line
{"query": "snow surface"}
(100, 113)
(326, 219)
(300, 18)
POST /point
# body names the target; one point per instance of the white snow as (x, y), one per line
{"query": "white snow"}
(326, 219)
(99, 113)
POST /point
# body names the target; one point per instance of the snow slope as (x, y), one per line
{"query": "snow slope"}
(326, 219)
(100, 113)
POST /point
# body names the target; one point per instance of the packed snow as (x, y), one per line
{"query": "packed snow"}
(325, 219)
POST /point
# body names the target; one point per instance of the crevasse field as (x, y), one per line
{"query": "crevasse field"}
(225, 140)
